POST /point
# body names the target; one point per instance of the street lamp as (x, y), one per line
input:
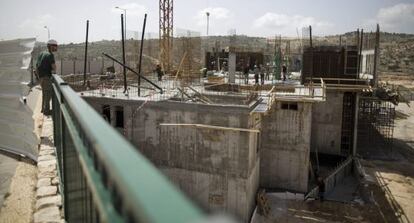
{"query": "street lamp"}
(48, 32)
(208, 15)
(125, 19)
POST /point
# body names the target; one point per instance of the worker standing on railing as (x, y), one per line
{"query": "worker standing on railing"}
(45, 66)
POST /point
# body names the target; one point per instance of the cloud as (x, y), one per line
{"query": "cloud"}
(131, 9)
(216, 14)
(397, 18)
(220, 20)
(37, 23)
(287, 24)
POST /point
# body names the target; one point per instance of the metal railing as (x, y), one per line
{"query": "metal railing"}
(103, 177)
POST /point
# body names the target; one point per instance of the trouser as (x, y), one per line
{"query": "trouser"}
(246, 78)
(256, 78)
(262, 79)
(46, 85)
(159, 77)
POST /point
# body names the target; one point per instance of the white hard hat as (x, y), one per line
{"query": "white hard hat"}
(52, 42)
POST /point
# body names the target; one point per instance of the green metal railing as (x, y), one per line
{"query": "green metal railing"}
(103, 177)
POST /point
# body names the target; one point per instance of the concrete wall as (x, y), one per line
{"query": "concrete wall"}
(65, 67)
(327, 124)
(218, 169)
(285, 146)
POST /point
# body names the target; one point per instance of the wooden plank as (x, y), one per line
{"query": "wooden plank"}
(211, 127)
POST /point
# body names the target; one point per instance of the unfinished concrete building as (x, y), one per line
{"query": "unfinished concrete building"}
(220, 142)
(220, 145)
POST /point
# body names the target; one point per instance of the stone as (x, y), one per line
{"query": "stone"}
(50, 214)
(49, 201)
(49, 174)
(55, 181)
(46, 152)
(42, 182)
(46, 191)
(46, 157)
(46, 163)
(48, 168)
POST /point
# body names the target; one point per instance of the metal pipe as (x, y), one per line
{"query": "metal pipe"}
(140, 55)
(360, 52)
(310, 35)
(123, 51)
(376, 56)
(311, 48)
(86, 53)
(133, 71)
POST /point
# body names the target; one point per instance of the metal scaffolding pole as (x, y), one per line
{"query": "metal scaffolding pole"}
(140, 55)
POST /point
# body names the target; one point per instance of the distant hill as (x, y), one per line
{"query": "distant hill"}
(396, 50)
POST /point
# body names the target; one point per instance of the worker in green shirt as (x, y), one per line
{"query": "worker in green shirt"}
(45, 66)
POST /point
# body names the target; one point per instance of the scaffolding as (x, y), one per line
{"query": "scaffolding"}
(375, 125)
(166, 33)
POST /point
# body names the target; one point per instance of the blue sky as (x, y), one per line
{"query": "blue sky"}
(66, 19)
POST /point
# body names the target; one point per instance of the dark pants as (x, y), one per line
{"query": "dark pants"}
(262, 78)
(321, 196)
(47, 91)
(159, 77)
(256, 78)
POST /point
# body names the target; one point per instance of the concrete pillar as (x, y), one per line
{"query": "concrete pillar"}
(232, 67)
(354, 146)
(113, 116)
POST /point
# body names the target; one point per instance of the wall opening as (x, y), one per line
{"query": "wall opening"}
(119, 113)
(106, 113)
(289, 106)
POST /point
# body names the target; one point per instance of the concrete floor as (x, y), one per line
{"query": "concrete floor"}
(346, 191)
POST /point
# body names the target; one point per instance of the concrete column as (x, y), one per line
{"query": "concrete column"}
(354, 146)
(232, 67)
(113, 116)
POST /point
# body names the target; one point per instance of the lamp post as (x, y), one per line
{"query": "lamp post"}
(48, 32)
(208, 16)
(124, 19)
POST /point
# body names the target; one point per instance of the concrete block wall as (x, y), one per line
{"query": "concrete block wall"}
(218, 169)
(285, 147)
(327, 124)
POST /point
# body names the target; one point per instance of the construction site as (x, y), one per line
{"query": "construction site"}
(276, 129)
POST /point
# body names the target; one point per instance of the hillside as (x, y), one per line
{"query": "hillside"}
(396, 50)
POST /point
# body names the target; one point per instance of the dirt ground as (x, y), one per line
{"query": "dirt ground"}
(396, 176)
(20, 198)
(398, 79)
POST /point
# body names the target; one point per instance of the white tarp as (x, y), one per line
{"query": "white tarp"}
(16, 117)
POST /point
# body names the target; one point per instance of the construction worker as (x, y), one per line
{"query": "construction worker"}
(246, 70)
(256, 74)
(284, 72)
(267, 71)
(45, 66)
(262, 74)
(159, 72)
(321, 186)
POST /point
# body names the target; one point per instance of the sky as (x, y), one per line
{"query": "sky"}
(66, 20)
